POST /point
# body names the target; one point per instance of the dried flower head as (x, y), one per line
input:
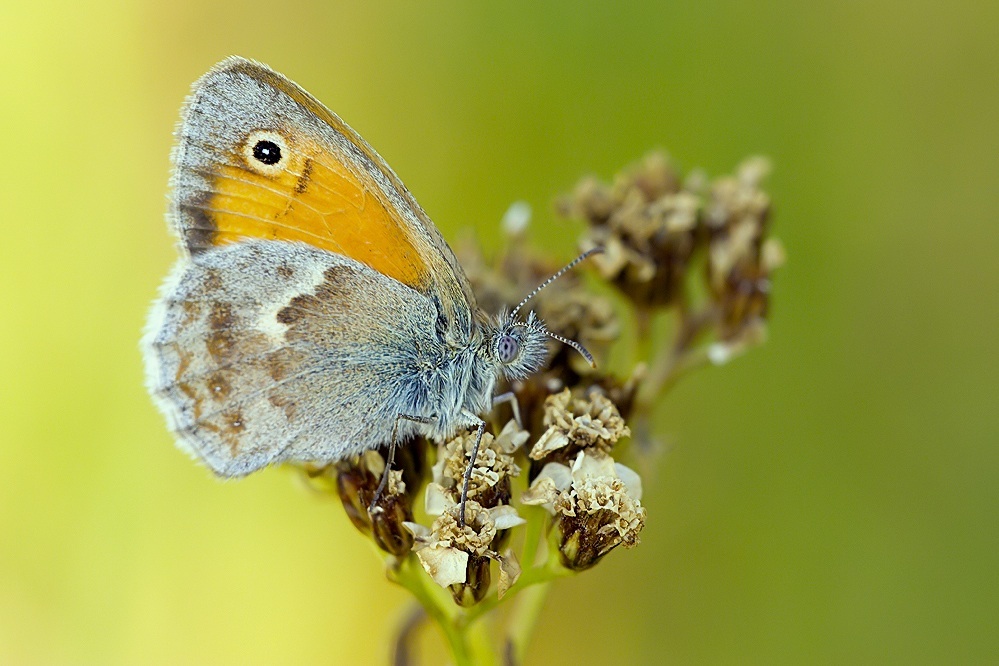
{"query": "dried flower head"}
(578, 420)
(457, 556)
(494, 466)
(596, 505)
(697, 245)
(741, 258)
(647, 225)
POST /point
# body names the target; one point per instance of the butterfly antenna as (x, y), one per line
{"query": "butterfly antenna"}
(575, 345)
(566, 341)
(572, 264)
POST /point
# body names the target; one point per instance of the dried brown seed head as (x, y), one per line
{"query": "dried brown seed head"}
(579, 420)
(494, 466)
(596, 505)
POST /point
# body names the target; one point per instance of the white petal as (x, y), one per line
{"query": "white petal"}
(516, 218)
(541, 493)
(772, 254)
(446, 566)
(373, 461)
(512, 436)
(417, 530)
(505, 516)
(436, 502)
(720, 353)
(559, 474)
(553, 439)
(590, 465)
(437, 471)
(631, 480)
(509, 572)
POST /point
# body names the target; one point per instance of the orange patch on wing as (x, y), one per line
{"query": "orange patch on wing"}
(319, 200)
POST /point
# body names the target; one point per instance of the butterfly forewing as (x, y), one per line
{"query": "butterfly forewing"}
(258, 157)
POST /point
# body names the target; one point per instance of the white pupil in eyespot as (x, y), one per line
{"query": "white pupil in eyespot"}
(267, 152)
(507, 348)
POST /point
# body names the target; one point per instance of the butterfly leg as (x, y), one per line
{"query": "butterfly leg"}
(510, 397)
(480, 427)
(372, 508)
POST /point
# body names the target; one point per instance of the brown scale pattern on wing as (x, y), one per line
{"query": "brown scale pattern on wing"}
(300, 315)
(283, 362)
(219, 386)
(284, 403)
(191, 312)
(226, 342)
(238, 361)
(232, 426)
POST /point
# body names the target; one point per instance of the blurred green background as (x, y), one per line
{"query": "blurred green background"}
(831, 497)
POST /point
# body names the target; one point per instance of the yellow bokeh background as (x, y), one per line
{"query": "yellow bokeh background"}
(831, 497)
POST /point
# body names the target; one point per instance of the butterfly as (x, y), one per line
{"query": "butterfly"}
(315, 311)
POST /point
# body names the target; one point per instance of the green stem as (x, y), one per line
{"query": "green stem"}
(405, 639)
(483, 652)
(409, 574)
(523, 620)
(674, 361)
(643, 336)
(524, 617)
(536, 520)
(545, 573)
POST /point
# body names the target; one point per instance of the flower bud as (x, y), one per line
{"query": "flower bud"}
(741, 258)
(494, 465)
(588, 535)
(357, 481)
(476, 585)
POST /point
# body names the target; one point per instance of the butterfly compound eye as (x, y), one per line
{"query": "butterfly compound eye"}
(267, 152)
(507, 348)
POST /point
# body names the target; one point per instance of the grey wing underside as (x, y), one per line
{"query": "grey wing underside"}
(260, 352)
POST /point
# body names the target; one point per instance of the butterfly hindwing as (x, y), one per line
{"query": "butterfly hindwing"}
(264, 351)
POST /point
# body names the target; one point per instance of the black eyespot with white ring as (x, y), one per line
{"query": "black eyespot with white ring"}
(507, 348)
(266, 152)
